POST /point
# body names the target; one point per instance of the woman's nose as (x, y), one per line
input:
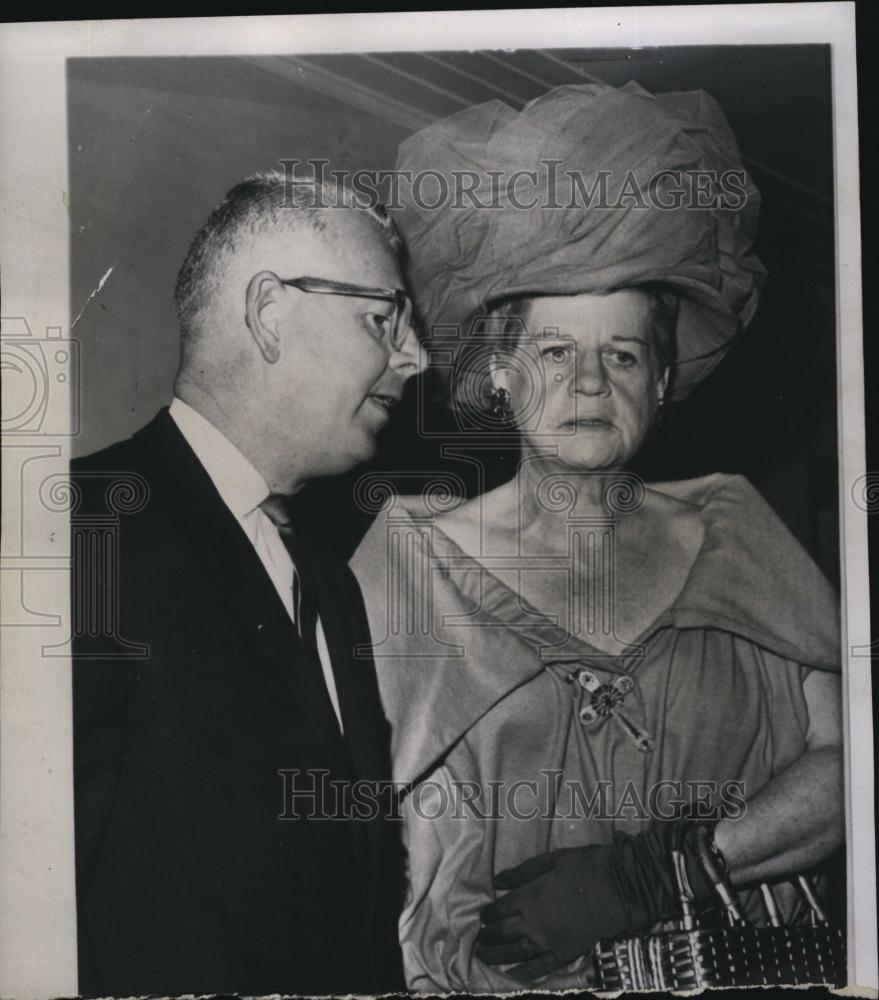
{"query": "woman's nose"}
(590, 377)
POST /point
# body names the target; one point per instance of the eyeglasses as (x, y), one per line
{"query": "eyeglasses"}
(397, 331)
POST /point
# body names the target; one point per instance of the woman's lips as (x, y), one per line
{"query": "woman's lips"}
(593, 423)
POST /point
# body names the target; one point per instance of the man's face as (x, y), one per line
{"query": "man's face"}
(339, 376)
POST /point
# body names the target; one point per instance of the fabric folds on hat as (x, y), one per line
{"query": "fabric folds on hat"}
(628, 150)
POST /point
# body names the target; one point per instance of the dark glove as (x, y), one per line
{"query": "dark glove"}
(561, 903)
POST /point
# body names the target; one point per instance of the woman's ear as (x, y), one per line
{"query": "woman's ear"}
(662, 385)
(263, 313)
(498, 373)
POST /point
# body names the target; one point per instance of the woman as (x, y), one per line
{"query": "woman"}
(575, 656)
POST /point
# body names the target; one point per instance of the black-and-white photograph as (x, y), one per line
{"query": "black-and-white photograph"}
(458, 464)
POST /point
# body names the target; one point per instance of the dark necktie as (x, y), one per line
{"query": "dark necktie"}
(277, 508)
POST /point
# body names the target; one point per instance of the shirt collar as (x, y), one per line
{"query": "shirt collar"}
(241, 488)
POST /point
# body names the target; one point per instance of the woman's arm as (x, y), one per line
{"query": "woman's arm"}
(558, 904)
(798, 818)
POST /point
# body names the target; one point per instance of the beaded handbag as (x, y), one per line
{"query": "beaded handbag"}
(705, 951)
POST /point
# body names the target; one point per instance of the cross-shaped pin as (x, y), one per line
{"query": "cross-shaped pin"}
(605, 700)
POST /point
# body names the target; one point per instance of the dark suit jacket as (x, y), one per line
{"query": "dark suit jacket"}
(187, 880)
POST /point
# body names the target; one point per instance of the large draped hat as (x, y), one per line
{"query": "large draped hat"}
(626, 188)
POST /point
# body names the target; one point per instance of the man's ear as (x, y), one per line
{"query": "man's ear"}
(263, 313)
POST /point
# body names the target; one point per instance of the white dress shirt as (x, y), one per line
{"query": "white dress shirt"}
(242, 489)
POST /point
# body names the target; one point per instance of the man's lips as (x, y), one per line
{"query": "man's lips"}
(386, 400)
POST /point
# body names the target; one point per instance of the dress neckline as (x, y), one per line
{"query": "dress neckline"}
(519, 613)
(750, 578)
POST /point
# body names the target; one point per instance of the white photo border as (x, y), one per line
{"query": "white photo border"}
(37, 913)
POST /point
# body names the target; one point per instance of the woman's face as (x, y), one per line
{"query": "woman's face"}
(584, 383)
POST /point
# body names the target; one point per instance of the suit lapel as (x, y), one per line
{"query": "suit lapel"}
(242, 582)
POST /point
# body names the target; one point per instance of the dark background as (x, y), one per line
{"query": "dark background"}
(155, 143)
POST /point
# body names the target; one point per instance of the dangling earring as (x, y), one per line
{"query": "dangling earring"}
(500, 405)
(660, 412)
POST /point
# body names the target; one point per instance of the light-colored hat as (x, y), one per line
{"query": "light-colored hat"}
(633, 153)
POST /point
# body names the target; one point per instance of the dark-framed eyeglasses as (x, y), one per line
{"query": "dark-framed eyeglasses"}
(397, 331)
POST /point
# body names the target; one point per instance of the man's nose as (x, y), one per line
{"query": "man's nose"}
(409, 358)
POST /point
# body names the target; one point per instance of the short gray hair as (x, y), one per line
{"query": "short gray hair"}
(260, 203)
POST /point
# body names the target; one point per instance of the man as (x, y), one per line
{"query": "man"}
(194, 874)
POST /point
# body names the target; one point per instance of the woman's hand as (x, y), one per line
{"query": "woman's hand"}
(559, 904)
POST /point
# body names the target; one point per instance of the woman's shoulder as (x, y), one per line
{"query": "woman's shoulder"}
(467, 523)
(719, 498)
(694, 521)
(754, 573)
(410, 514)
(705, 491)
(730, 508)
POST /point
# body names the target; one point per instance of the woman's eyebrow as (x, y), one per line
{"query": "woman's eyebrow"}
(625, 337)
